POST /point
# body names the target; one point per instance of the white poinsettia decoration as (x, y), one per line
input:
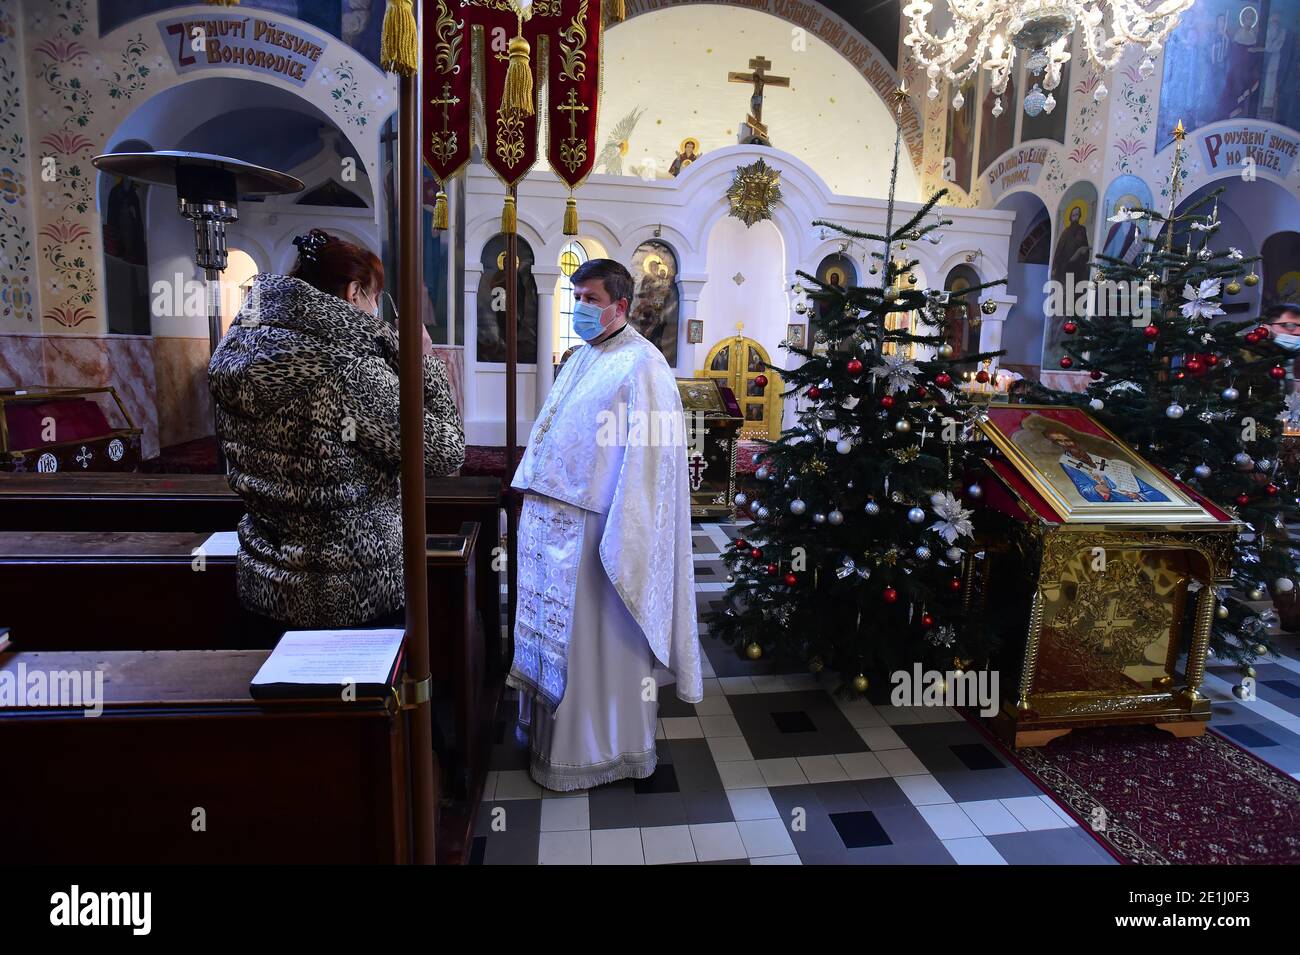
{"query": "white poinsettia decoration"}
(1124, 214)
(954, 520)
(1201, 300)
(899, 372)
(1290, 415)
(1234, 253)
(1203, 226)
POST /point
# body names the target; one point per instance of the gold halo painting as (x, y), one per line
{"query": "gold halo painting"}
(1083, 471)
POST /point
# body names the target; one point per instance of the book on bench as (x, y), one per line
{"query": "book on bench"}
(341, 664)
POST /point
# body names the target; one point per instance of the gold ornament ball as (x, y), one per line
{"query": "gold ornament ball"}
(911, 279)
(988, 307)
(1252, 280)
(1232, 288)
(860, 683)
(1255, 593)
(1249, 671)
(815, 665)
(1261, 649)
(946, 351)
(1222, 611)
(753, 651)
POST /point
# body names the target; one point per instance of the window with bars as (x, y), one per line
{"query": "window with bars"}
(572, 256)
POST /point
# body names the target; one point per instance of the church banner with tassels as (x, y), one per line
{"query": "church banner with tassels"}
(516, 53)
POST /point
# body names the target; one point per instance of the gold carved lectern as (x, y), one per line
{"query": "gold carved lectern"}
(1099, 568)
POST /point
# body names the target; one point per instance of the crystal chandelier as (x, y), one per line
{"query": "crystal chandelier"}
(989, 32)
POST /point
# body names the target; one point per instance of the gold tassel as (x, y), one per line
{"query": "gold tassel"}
(509, 223)
(518, 93)
(615, 11)
(571, 216)
(440, 211)
(399, 47)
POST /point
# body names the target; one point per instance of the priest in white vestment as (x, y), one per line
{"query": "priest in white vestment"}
(606, 587)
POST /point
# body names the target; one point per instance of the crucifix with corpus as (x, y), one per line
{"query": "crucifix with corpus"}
(760, 78)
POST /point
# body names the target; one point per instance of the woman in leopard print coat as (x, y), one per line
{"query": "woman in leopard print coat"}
(305, 385)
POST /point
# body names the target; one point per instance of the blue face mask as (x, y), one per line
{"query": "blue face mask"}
(586, 320)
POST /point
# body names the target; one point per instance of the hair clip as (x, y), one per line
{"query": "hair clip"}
(309, 244)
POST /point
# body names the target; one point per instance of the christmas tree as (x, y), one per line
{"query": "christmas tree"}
(861, 531)
(1197, 394)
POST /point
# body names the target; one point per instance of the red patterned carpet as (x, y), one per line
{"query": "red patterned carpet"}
(1159, 800)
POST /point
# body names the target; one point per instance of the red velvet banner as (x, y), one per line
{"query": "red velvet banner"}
(573, 89)
(564, 56)
(445, 70)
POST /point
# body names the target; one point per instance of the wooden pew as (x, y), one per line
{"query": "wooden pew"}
(79, 590)
(204, 503)
(306, 781)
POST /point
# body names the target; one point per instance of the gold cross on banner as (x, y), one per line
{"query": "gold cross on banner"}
(573, 108)
(446, 100)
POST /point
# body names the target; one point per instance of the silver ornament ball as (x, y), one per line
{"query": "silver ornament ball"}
(916, 515)
(872, 508)
(1174, 411)
(844, 446)
(819, 518)
(761, 474)
(741, 499)
(797, 506)
(764, 514)
(922, 553)
(902, 426)
(1230, 394)
(975, 491)
(1202, 471)
(835, 518)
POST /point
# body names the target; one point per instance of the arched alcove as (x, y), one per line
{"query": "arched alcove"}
(1027, 274)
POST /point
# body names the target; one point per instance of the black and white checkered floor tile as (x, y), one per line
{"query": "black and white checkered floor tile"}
(772, 769)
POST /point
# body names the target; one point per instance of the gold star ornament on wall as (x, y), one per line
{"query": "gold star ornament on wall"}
(754, 190)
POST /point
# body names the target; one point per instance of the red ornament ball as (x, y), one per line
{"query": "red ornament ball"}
(741, 543)
(1261, 332)
(1252, 338)
(890, 595)
(943, 379)
(1271, 490)
(1180, 374)
(1277, 372)
(791, 580)
(955, 584)
(854, 367)
(1195, 366)
(921, 392)
(1243, 499)
(927, 620)
(1067, 362)
(887, 402)
(1212, 360)
(982, 376)
(760, 380)
(772, 569)
(1095, 375)
(756, 553)
(1151, 331)
(814, 392)
(1070, 328)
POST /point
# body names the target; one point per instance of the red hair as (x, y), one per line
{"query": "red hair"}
(330, 264)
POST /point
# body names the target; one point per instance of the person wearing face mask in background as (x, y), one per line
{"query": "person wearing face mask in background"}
(306, 390)
(1284, 329)
(605, 575)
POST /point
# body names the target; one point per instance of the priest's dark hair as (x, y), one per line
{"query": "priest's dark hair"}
(332, 264)
(613, 276)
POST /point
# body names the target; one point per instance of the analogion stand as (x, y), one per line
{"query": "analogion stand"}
(1099, 568)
